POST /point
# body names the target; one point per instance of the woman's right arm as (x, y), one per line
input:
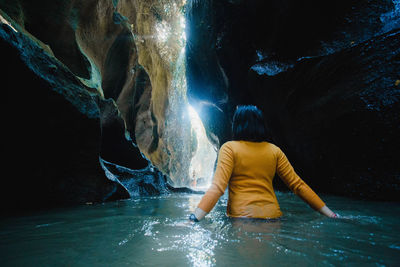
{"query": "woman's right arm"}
(220, 181)
(298, 186)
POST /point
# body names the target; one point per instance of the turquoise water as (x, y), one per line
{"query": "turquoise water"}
(154, 231)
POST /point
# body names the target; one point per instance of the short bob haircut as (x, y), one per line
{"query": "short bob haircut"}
(248, 124)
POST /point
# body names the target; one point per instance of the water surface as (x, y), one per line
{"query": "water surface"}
(154, 231)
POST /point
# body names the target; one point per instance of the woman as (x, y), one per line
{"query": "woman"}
(248, 165)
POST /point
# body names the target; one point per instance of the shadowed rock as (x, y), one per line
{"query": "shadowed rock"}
(51, 135)
(326, 77)
(337, 117)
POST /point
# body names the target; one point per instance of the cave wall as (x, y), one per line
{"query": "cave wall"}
(163, 133)
(48, 161)
(102, 90)
(112, 47)
(325, 76)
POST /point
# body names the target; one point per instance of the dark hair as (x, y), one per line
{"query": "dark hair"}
(248, 124)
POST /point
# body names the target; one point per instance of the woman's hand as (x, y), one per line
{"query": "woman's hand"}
(193, 218)
(327, 212)
(197, 215)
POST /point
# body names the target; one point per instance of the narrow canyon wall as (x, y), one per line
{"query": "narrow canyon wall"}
(48, 159)
(325, 75)
(158, 31)
(91, 86)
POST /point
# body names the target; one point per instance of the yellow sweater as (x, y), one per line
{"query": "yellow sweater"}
(249, 168)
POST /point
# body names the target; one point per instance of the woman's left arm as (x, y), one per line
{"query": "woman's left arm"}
(220, 181)
(327, 212)
(298, 186)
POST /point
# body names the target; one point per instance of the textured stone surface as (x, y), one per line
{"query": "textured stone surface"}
(111, 52)
(163, 131)
(114, 48)
(75, 89)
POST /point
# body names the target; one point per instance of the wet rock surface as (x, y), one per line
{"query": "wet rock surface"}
(114, 48)
(75, 86)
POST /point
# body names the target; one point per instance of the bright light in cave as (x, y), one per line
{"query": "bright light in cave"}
(202, 165)
(163, 31)
(170, 40)
(170, 29)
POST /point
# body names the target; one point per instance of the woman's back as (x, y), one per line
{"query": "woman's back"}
(250, 187)
(249, 168)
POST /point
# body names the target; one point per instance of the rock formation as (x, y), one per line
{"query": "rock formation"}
(49, 160)
(101, 87)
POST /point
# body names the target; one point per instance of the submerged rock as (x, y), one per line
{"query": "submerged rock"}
(147, 181)
(142, 182)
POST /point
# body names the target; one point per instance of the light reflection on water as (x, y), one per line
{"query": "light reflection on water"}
(154, 231)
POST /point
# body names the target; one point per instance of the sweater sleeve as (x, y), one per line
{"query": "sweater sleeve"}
(295, 183)
(221, 178)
